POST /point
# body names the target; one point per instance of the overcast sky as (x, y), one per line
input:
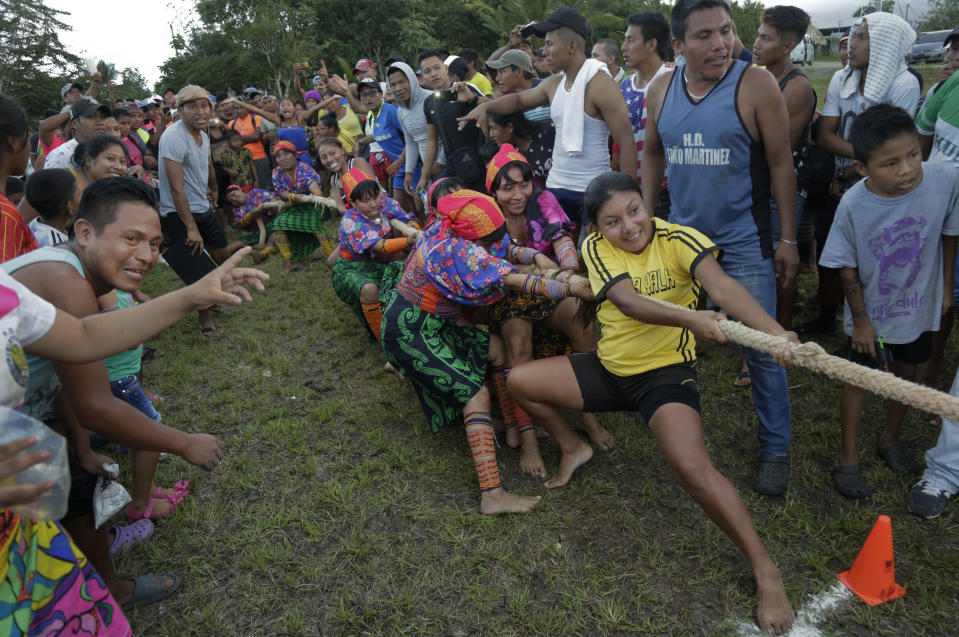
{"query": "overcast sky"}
(140, 38)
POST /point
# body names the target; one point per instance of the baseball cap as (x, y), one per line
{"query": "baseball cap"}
(513, 57)
(66, 88)
(192, 93)
(251, 90)
(316, 78)
(363, 65)
(368, 81)
(954, 34)
(562, 17)
(86, 107)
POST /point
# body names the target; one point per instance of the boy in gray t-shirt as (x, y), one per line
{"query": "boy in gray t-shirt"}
(894, 242)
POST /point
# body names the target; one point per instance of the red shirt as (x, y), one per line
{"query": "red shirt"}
(15, 237)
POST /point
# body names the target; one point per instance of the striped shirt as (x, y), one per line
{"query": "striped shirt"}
(663, 270)
(15, 237)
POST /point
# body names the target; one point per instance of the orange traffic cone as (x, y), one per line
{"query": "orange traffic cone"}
(873, 575)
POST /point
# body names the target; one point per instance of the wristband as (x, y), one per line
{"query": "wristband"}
(523, 255)
(789, 242)
(549, 288)
(389, 246)
(292, 198)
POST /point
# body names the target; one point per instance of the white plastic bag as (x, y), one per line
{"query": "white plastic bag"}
(109, 497)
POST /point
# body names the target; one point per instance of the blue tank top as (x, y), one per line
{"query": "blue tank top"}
(718, 175)
(296, 135)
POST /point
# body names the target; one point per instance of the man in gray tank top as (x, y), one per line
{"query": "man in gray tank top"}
(728, 199)
(603, 111)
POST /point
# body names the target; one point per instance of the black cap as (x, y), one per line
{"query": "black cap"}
(954, 34)
(394, 58)
(86, 107)
(368, 81)
(562, 17)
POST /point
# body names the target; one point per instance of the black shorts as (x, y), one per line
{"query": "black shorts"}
(206, 222)
(914, 353)
(82, 486)
(604, 391)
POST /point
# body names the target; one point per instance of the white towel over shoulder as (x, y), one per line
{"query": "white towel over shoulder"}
(573, 118)
(890, 38)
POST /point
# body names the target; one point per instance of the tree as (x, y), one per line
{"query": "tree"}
(886, 6)
(31, 50)
(943, 14)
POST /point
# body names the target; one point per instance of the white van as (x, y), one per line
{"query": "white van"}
(803, 53)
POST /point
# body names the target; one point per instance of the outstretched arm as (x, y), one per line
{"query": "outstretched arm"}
(273, 117)
(98, 336)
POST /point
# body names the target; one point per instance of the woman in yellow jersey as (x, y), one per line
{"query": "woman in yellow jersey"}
(645, 356)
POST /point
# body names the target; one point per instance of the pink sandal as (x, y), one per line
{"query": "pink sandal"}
(180, 491)
(148, 514)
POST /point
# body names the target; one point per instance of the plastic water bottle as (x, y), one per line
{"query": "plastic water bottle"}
(52, 505)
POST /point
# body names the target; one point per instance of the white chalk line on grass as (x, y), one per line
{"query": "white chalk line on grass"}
(809, 616)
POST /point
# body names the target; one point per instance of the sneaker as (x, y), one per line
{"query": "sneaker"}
(927, 500)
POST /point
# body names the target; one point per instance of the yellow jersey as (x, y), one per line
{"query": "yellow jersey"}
(663, 270)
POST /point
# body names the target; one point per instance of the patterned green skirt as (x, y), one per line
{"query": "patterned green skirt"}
(301, 223)
(536, 309)
(349, 277)
(445, 362)
(253, 238)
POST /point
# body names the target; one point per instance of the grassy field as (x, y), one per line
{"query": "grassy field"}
(822, 71)
(337, 513)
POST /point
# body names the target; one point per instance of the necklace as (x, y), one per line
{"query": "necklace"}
(700, 98)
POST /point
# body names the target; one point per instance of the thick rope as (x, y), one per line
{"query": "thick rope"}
(811, 356)
(316, 200)
(404, 229)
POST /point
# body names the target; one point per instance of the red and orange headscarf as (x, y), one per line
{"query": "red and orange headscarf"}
(353, 178)
(469, 214)
(284, 145)
(507, 154)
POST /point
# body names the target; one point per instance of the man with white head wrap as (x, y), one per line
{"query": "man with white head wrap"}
(875, 74)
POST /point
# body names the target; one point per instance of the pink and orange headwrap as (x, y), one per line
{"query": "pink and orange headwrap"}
(469, 214)
(284, 145)
(353, 178)
(507, 154)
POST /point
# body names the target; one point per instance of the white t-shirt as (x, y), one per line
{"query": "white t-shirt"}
(62, 155)
(44, 234)
(24, 319)
(903, 92)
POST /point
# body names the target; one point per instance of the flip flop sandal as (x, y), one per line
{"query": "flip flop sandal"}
(898, 459)
(849, 482)
(125, 537)
(147, 589)
(772, 478)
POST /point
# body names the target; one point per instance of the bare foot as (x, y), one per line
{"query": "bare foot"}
(597, 433)
(389, 368)
(500, 500)
(775, 613)
(530, 461)
(289, 266)
(568, 464)
(512, 436)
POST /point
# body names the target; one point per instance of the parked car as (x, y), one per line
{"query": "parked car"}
(928, 48)
(804, 53)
